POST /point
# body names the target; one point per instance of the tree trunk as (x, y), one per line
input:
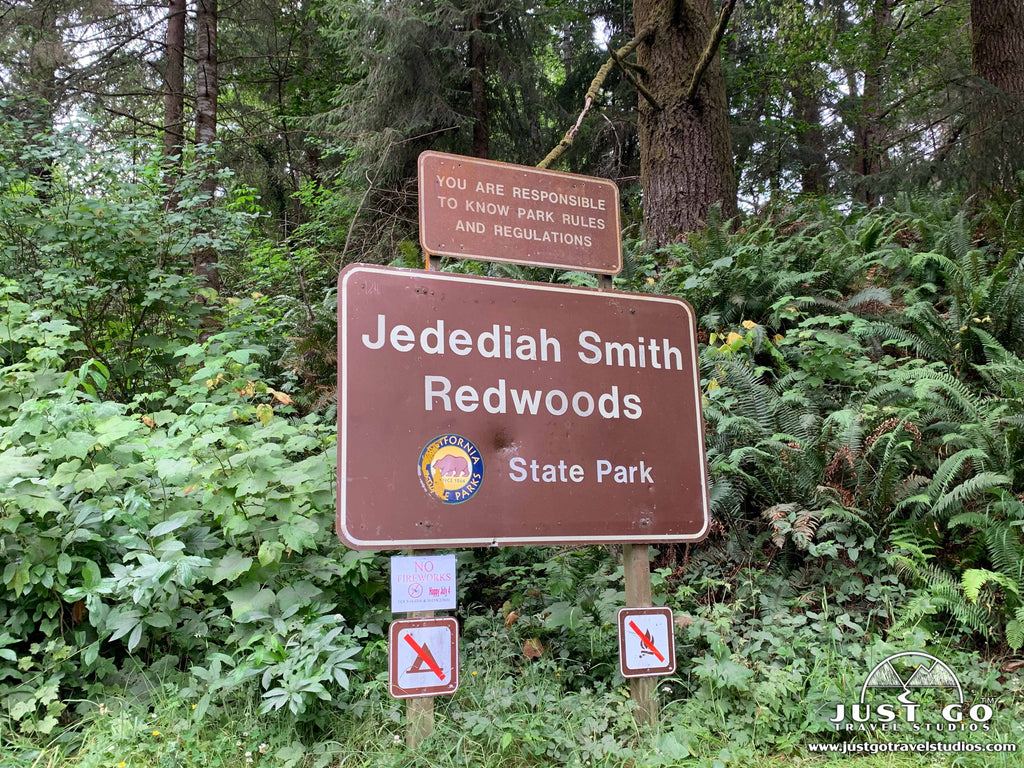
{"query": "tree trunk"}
(868, 132)
(810, 139)
(997, 51)
(174, 93)
(204, 260)
(45, 49)
(686, 163)
(478, 87)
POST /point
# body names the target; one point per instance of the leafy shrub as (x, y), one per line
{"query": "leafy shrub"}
(191, 527)
(102, 238)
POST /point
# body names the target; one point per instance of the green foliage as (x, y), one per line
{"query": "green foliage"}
(193, 523)
(862, 390)
(97, 236)
(167, 487)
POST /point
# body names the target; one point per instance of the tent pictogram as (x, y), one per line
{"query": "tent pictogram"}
(425, 661)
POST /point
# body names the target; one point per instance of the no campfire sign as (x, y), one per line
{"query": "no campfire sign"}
(647, 645)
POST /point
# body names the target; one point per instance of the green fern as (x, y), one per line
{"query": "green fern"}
(1015, 631)
(942, 593)
(976, 578)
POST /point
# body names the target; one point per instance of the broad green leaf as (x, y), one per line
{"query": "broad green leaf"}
(16, 462)
(74, 445)
(123, 622)
(109, 431)
(96, 479)
(173, 471)
(250, 600)
(167, 526)
(270, 552)
(91, 576)
(229, 567)
(264, 413)
(160, 620)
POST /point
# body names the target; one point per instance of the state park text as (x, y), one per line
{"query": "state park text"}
(502, 342)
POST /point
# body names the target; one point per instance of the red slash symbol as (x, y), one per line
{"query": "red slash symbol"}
(428, 659)
(645, 641)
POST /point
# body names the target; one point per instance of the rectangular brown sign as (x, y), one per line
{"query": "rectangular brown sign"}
(478, 412)
(481, 209)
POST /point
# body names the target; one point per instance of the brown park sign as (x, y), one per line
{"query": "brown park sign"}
(482, 412)
(481, 209)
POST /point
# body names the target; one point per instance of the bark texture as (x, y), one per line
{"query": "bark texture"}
(997, 50)
(478, 87)
(868, 131)
(686, 163)
(206, 71)
(204, 260)
(174, 91)
(810, 140)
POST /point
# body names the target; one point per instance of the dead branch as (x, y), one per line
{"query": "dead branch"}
(592, 93)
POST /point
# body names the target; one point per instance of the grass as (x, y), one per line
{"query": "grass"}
(510, 712)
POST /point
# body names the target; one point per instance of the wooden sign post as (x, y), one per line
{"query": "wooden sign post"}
(419, 712)
(636, 573)
(471, 408)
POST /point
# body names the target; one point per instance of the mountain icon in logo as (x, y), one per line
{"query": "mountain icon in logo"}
(911, 669)
(938, 675)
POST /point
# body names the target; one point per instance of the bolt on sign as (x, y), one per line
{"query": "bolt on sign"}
(481, 209)
(647, 646)
(423, 657)
(481, 412)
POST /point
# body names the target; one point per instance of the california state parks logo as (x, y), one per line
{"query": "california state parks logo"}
(451, 468)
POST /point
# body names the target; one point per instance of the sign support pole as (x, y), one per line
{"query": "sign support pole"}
(419, 712)
(636, 569)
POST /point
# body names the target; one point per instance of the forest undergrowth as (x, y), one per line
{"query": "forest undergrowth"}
(173, 592)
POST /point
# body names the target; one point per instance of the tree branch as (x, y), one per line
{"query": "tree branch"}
(592, 93)
(714, 41)
(633, 81)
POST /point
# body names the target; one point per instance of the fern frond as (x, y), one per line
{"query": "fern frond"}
(1015, 632)
(892, 466)
(957, 237)
(913, 612)
(848, 423)
(873, 294)
(953, 501)
(942, 389)
(977, 520)
(950, 468)
(945, 263)
(976, 578)
(1005, 549)
(725, 499)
